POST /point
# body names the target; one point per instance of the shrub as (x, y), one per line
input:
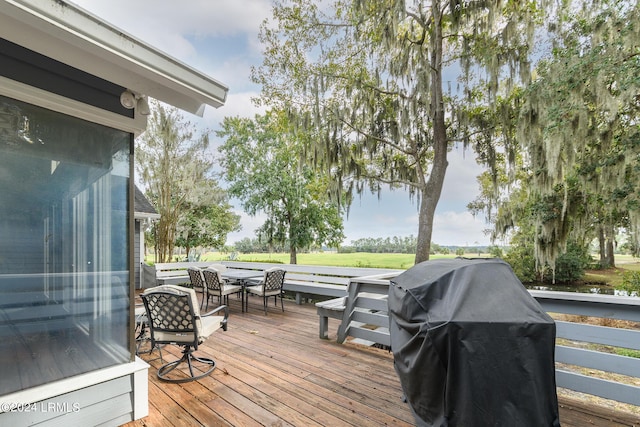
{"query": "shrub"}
(630, 283)
(495, 251)
(570, 265)
(522, 262)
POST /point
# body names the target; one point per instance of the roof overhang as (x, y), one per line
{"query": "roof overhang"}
(146, 216)
(69, 34)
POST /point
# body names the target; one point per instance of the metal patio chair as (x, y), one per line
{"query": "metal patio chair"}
(217, 286)
(271, 285)
(197, 282)
(174, 318)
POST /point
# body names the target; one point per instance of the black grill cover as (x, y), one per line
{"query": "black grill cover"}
(471, 346)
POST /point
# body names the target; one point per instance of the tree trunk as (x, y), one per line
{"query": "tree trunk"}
(425, 227)
(611, 237)
(429, 198)
(601, 244)
(162, 241)
(611, 258)
(430, 193)
(293, 255)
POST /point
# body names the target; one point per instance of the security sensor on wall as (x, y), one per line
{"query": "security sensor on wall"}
(130, 101)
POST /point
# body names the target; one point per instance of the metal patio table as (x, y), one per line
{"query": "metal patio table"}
(241, 277)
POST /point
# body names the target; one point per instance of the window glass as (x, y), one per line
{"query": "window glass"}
(63, 246)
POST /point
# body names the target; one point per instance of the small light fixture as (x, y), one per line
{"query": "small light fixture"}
(142, 106)
(128, 99)
(131, 100)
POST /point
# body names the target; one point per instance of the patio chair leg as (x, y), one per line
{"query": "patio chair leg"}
(187, 357)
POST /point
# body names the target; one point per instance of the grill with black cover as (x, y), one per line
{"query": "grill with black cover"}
(471, 346)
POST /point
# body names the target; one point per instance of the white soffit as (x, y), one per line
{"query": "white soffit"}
(71, 35)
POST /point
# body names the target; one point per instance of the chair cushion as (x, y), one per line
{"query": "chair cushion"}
(230, 289)
(176, 337)
(255, 289)
(209, 324)
(258, 291)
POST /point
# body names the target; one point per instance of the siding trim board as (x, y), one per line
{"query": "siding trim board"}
(84, 390)
(29, 67)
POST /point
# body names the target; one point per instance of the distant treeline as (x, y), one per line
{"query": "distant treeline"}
(255, 245)
(388, 245)
(402, 245)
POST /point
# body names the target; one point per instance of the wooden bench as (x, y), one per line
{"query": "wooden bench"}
(175, 273)
(304, 284)
(363, 311)
(333, 308)
(303, 280)
(315, 280)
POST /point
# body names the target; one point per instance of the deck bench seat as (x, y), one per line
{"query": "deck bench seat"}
(172, 273)
(303, 280)
(363, 312)
(303, 287)
(333, 308)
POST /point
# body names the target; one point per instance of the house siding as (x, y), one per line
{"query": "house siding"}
(109, 402)
(28, 67)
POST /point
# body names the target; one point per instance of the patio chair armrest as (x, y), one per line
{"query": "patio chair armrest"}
(217, 309)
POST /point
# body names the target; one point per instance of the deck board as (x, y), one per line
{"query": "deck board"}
(274, 370)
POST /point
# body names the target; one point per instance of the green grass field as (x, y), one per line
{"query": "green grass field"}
(360, 259)
(401, 262)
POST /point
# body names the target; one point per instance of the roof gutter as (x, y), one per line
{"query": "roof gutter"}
(70, 34)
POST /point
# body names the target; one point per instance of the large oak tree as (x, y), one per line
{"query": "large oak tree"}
(387, 87)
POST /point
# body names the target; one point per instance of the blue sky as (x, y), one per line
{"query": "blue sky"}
(220, 38)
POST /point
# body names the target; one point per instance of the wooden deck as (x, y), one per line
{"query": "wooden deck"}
(274, 371)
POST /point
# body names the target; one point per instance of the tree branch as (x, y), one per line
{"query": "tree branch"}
(376, 138)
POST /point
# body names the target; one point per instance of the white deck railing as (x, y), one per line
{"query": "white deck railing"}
(588, 353)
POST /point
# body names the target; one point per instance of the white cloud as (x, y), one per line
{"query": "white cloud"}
(460, 184)
(459, 229)
(168, 25)
(202, 18)
(234, 72)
